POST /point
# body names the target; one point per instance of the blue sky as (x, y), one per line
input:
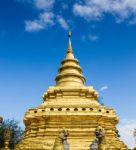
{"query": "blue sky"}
(33, 41)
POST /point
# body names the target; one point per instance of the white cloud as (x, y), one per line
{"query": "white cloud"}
(44, 4)
(126, 129)
(90, 37)
(45, 19)
(63, 22)
(96, 9)
(46, 15)
(33, 26)
(122, 10)
(104, 88)
(87, 12)
(93, 37)
(40, 4)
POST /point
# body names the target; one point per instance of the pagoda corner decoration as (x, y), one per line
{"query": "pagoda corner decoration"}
(73, 106)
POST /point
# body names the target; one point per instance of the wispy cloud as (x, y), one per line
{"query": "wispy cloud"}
(33, 25)
(126, 129)
(91, 37)
(45, 19)
(62, 22)
(46, 15)
(44, 4)
(40, 4)
(104, 88)
(122, 10)
(96, 10)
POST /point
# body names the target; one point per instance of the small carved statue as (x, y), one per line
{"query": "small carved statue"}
(7, 134)
(117, 133)
(59, 141)
(100, 135)
(94, 145)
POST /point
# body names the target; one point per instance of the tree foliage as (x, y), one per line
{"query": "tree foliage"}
(16, 132)
(134, 134)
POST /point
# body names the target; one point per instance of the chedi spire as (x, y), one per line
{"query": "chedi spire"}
(70, 72)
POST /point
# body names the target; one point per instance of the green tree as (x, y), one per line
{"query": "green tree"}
(134, 133)
(16, 132)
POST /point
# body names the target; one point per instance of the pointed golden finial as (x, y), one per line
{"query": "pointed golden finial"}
(69, 43)
(69, 33)
(70, 72)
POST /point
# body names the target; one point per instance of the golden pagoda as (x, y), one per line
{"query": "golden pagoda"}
(72, 106)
